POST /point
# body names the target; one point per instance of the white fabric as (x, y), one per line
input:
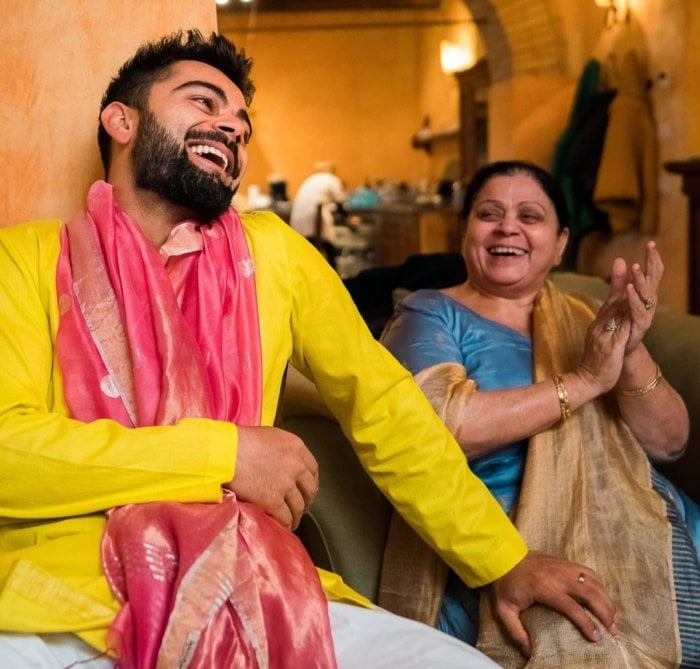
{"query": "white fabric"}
(321, 188)
(363, 639)
(377, 639)
(48, 651)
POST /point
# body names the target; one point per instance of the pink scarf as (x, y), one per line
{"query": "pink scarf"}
(148, 338)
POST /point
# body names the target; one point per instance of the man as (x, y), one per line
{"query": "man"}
(318, 198)
(141, 355)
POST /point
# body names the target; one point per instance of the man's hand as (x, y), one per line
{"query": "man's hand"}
(561, 585)
(276, 471)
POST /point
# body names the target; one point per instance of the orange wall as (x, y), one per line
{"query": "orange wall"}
(352, 96)
(58, 59)
(528, 112)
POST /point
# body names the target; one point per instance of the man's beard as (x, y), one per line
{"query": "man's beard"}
(161, 165)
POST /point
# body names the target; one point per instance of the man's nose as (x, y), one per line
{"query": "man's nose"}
(232, 126)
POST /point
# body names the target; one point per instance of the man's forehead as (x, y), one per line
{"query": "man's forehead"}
(185, 71)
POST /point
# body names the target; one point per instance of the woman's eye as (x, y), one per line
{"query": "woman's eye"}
(488, 215)
(530, 217)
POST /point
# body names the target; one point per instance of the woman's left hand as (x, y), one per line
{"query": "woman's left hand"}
(641, 292)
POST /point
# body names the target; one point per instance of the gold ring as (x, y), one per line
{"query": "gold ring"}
(648, 303)
(611, 325)
(582, 578)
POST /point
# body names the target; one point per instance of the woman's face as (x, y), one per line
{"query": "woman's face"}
(512, 239)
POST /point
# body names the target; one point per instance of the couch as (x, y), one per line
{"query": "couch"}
(345, 530)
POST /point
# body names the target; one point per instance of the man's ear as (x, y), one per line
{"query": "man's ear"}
(119, 121)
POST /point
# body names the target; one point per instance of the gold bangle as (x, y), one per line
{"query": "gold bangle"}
(563, 397)
(643, 390)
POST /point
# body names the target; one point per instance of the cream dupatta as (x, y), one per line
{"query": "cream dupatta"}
(587, 496)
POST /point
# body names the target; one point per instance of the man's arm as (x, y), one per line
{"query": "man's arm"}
(418, 465)
(396, 434)
(54, 466)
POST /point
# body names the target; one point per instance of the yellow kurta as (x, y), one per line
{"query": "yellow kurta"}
(59, 475)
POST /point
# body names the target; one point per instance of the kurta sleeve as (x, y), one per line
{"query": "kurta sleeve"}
(398, 437)
(53, 466)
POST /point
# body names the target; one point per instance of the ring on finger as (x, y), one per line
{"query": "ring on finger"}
(648, 302)
(581, 578)
(611, 325)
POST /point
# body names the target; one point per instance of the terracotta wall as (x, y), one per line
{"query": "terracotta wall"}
(528, 112)
(58, 59)
(351, 95)
(666, 30)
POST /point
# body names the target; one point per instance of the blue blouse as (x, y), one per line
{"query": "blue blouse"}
(431, 328)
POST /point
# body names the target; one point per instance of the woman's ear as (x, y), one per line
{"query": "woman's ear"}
(561, 244)
(119, 121)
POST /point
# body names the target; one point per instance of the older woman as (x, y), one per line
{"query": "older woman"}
(559, 407)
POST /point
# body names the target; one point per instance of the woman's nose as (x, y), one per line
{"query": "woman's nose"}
(508, 223)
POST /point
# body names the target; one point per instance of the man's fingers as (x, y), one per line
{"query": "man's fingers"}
(594, 597)
(510, 619)
(307, 484)
(296, 504)
(310, 461)
(283, 515)
(570, 608)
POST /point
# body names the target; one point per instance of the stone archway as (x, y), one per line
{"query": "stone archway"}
(521, 36)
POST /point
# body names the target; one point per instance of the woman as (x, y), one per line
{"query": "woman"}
(558, 410)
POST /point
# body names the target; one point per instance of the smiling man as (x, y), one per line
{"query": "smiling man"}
(147, 500)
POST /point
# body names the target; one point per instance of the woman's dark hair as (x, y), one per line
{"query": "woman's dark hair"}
(152, 62)
(510, 168)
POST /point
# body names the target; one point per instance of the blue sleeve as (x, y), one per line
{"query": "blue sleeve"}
(421, 333)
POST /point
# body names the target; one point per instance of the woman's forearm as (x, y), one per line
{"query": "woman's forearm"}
(492, 419)
(654, 411)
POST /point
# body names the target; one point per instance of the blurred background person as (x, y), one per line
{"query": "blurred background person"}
(317, 206)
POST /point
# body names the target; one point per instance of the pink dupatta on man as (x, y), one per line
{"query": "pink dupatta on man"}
(149, 338)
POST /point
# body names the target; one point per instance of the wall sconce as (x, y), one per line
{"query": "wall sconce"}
(616, 11)
(456, 57)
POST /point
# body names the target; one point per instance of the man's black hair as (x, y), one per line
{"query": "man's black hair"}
(152, 62)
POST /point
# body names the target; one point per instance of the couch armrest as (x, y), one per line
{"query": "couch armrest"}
(346, 528)
(674, 342)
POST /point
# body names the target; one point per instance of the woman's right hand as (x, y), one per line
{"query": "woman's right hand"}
(604, 348)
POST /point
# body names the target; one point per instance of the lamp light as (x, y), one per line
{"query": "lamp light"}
(456, 57)
(616, 11)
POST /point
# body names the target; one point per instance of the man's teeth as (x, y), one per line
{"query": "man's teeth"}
(202, 149)
(506, 251)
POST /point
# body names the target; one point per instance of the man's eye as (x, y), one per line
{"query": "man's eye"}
(206, 102)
